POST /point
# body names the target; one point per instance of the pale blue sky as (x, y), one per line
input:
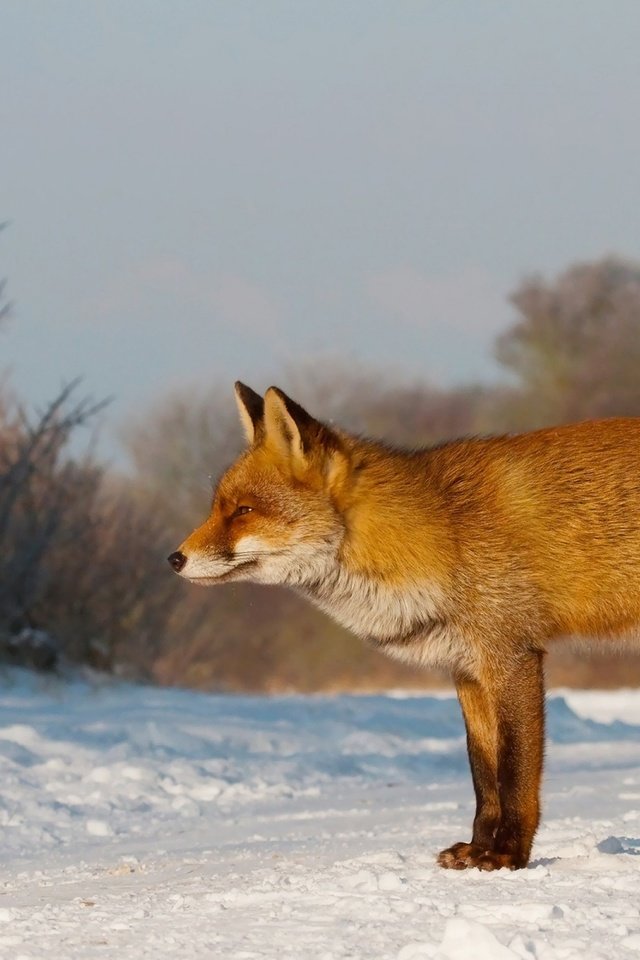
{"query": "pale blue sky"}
(201, 190)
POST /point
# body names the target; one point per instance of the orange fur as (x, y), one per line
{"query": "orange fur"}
(472, 555)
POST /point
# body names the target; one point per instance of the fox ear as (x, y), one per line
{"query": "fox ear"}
(288, 428)
(251, 410)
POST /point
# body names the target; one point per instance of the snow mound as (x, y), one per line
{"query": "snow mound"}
(156, 823)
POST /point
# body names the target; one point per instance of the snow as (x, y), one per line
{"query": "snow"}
(157, 823)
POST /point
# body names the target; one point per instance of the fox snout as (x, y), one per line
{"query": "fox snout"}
(204, 564)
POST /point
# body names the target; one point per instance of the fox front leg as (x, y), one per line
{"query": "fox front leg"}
(504, 719)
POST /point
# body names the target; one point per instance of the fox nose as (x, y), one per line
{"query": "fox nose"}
(177, 560)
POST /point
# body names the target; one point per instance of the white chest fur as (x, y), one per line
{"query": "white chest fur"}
(408, 623)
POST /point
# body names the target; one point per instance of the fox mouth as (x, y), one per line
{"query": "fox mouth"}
(227, 575)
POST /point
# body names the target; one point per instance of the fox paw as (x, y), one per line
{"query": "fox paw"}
(461, 856)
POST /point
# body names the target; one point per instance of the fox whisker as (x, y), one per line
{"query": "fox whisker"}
(253, 556)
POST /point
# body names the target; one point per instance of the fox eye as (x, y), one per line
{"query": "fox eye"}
(240, 511)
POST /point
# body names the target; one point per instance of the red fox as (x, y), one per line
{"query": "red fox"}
(472, 555)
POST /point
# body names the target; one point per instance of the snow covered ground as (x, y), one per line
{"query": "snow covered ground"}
(147, 823)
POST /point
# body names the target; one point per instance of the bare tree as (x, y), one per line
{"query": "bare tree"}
(575, 349)
(36, 492)
(180, 447)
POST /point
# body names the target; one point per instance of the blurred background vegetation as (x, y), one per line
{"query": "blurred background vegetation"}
(83, 577)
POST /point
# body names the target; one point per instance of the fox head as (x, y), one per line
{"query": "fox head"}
(276, 513)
